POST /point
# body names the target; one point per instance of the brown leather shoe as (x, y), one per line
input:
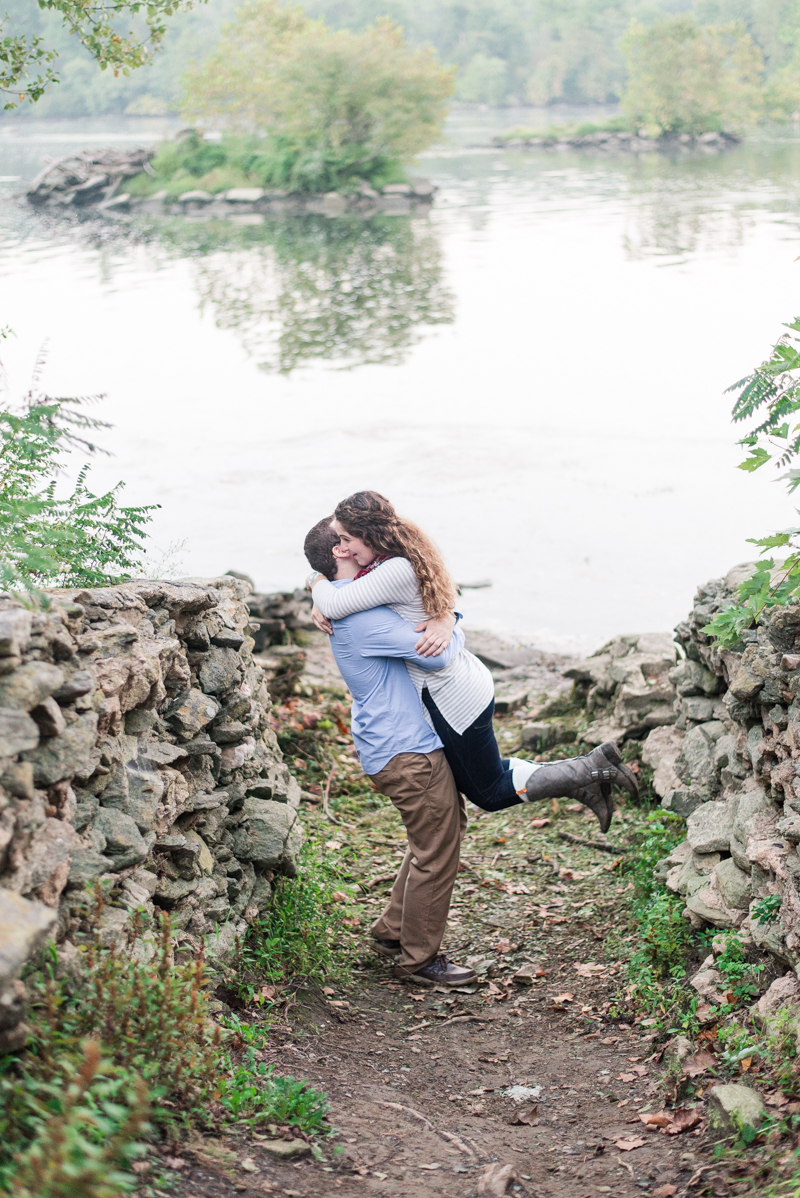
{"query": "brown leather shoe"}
(386, 948)
(440, 972)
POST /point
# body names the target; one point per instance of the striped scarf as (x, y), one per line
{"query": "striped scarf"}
(375, 562)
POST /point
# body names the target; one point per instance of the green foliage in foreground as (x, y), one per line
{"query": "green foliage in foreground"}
(79, 539)
(690, 78)
(330, 107)
(97, 28)
(134, 1032)
(771, 394)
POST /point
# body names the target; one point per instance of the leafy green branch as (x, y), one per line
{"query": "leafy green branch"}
(772, 395)
(47, 539)
(96, 25)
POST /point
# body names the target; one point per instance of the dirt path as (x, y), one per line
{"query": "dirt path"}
(417, 1078)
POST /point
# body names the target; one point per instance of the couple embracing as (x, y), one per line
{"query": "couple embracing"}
(422, 718)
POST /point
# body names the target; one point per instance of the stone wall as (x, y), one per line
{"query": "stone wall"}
(135, 748)
(731, 764)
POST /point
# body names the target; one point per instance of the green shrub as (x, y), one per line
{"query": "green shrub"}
(79, 539)
(329, 107)
(690, 78)
(93, 1130)
(300, 937)
(147, 1018)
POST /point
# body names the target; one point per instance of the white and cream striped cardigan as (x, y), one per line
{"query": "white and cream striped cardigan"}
(461, 690)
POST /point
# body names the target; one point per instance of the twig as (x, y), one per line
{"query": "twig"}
(325, 794)
(591, 844)
(377, 881)
(444, 1135)
(334, 819)
(466, 1019)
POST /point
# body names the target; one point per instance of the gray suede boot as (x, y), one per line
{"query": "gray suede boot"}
(589, 779)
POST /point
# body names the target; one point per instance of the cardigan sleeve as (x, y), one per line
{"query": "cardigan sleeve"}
(390, 582)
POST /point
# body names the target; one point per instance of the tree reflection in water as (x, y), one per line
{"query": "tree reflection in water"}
(308, 288)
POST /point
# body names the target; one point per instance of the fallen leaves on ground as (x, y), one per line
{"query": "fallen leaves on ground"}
(540, 823)
(566, 997)
(657, 1119)
(698, 1063)
(525, 1118)
(776, 1099)
(626, 1077)
(590, 969)
(495, 1180)
(630, 1144)
(665, 1191)
(684, 1119)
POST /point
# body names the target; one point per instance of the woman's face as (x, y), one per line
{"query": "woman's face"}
(355, 548)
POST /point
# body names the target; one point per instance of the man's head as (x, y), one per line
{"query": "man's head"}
(318, 548)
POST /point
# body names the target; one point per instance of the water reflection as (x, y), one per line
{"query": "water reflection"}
(310, 288)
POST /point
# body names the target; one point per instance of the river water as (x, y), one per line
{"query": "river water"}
(534, 372)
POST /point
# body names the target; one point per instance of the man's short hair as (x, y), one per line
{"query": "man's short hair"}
(318, 548)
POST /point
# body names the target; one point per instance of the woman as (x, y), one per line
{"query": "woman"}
(402, 569)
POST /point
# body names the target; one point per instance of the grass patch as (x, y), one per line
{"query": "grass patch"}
(303, 937)
(553, 133)
(190, 162)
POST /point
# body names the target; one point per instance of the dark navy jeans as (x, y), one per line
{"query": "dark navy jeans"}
(480, 773)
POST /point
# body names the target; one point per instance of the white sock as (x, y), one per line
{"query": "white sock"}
(521, 771)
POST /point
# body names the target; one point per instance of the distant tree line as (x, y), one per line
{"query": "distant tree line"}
(505, 51)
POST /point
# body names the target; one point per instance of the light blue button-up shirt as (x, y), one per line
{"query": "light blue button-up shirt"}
(371, 648)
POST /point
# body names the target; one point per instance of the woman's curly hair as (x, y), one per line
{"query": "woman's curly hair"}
(371, 517)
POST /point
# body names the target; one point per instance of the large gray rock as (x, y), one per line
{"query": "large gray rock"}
(124, 842)
(18, 732)
(70, 755)
(710, 827)
(24, 925)
(733, 1108)
(692, 678)
(192, 713)
(734, 885)
(264, 832)
(752, 805)
(137, 792)
(15, 630)
(220, 670)
(28, 686)
(87, 865)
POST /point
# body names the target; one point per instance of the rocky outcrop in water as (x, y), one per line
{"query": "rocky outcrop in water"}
(95, 181)
(135, 751)
(605, 142)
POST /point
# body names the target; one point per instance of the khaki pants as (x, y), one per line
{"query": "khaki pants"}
(422, 789)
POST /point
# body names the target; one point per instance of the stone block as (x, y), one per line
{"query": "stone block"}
(24, 926)
(734, 885)
(219, 671)
(124, 842)
(192, 712)
(87, 865)
(263, 833)
(15, 630)
(731, 1109)
(710, 827)
(30, 685)
(49, 718)
(18, 732)
(69, 755)
(783, 992)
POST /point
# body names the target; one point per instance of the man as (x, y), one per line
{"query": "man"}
(404, 757)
